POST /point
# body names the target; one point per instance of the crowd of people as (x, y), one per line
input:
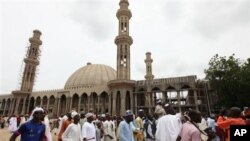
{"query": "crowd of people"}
(163, 125)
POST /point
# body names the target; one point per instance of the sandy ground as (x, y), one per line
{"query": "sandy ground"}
(5, 135)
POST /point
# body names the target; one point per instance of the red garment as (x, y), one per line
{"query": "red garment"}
(18, 118)
(247, 122)
(65, 124)
(222, 133)
(231, 121)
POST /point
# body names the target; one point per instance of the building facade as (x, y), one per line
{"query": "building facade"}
(101, 88)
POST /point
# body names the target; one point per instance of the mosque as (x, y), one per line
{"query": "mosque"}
(103, 89)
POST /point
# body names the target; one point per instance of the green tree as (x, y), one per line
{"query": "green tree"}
(230, 78)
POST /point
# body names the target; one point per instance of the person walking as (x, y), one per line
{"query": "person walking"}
(88, 128)
(235, 119)
(108, 129)
(125, 132)
(139, 136)
(190, 130)
(32, 130)
(47, 125)
(168, 126)
(12, 127)
(64, 126)
(73, 131)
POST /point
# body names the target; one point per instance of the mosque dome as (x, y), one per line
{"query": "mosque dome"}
(91, 75)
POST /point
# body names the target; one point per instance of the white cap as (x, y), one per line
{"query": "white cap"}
(103, 115)
(89, 115)
(166, 105)
(73, 114)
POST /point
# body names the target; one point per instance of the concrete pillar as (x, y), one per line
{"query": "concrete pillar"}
(41, 102)
(196, 100)
(149, 103)
(79, 105)
(47, 105)
(154, 99)
(110, 104)
(17, 105)
(58, 105)
(114, 103)
(4, 108)
(98, 104)
(88, 103)
(123, 102)
(131, 100)
(178, 100)
(23, 108)
(13, 106)
(70, 103)
(28, 108)
(135, 97)
(67, 104)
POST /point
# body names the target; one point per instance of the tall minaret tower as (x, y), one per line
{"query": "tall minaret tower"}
(121, 89)
(123, 41)
(31, 61)
(19, 102)
(148, 61)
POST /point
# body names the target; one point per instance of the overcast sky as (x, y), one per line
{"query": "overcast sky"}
(182, 36)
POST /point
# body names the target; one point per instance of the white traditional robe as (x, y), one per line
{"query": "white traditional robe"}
(12, 124)
(113, 130)
(108, 128)
(72, 133)
(89, 131)
(61, 122)
(168, 128)
(47, 130)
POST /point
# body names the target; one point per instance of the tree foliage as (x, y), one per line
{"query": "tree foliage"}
(230, 78)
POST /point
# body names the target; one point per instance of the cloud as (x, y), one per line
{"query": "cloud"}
(93, 17)
(174, 10)
(211, 18)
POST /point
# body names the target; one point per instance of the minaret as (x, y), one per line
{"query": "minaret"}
(121, 89)
(31, 61)
(123, 41)
(20, 100)
(148, 61)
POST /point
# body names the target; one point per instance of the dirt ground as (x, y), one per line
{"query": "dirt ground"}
(5, 135)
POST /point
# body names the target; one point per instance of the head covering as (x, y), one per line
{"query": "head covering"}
(141, 110)
(103, 115)
(158, 101)
(128, 113)
(247, 112)
(89, 115)
(35, 110)
(73, 114)
(166, 105)
(160, 111)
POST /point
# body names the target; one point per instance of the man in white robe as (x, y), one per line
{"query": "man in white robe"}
(73, 131)
(113, 127)
(47, 125)
(159, 110)
(88, 129)
(108, 129)
(168, 126)
(12, 124)
(125, 131)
